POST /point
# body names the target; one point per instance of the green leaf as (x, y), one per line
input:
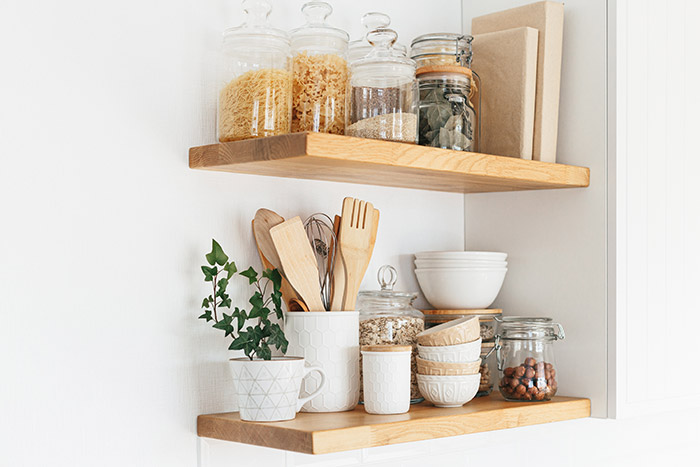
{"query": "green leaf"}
(217, 255)
(206, 315)
(205, 303)
(277, 337)
(226, 303)
(264, 351)
(277, 301)
(257, 300)
(255, 312)
(223, 283)
(274, 276)
(225, 324)
(231, 269)
(239, 342)
(241, 317)
(250, 274)
(209, 273)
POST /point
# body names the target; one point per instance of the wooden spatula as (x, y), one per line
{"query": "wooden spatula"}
(356, 232)
(289, 295)
(298, 261)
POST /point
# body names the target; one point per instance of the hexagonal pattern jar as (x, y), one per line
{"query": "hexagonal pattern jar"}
(331, 341)
(387, 378)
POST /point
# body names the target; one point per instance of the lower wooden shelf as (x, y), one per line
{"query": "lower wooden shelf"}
(323, 433)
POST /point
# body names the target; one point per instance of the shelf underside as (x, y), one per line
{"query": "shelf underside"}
(322, 433)
(319, 156)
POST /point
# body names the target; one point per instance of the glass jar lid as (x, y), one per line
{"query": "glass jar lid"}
(524, 328)
(317, 34)
(381, 64)
(256, 30)
(361, 48)
(386, 296)
(447, 48)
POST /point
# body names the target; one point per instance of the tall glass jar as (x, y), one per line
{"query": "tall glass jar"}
(361, 48)
(450, 102)
(255, 94)
(320, 73)
(525, 355)
(383, 94)
(388, 317)
(447, 118)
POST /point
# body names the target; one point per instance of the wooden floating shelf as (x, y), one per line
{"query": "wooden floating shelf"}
(318, 156)
(323, 433)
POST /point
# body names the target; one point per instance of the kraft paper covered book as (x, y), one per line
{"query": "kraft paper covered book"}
(548, 19)
(506, 62)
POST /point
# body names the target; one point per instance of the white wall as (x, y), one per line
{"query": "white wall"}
(105, 226)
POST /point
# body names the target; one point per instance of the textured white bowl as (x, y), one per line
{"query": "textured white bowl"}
(457, 263)
(461, 353)
(477, 255)
(449, 391)
(460, 289)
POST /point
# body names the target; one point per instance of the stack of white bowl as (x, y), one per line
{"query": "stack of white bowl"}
(460, 280)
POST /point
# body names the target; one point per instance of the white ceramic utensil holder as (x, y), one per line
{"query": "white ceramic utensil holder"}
(268, 390)
(387, 380)
(330, 340)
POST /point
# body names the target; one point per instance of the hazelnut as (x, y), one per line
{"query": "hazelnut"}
(529, 361)
(533, 391)
(547, 374)
(520, 390)
(513, 382)
(527, 382)
(520, 371)
(553, 372)
(527, 396)
(548, 366)
(539, 396)
(509, 371)
(530, 373)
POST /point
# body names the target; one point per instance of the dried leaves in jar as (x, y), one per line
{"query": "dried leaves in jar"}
(446, 120)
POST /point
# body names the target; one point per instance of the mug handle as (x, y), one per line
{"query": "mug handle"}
(308, 369)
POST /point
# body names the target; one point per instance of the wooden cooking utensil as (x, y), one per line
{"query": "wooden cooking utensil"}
(298, 261)
(338, 284)
(262, 223)
(296, 304)
(262, 237)
(357, 227)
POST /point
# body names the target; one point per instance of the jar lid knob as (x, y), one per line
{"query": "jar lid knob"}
(374, 20)
(387, 283)
(316, 12)
(257, 11)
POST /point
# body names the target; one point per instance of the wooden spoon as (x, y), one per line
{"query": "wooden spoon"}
(338, 285)
(267, 252)
(298, 261)
(357, 228)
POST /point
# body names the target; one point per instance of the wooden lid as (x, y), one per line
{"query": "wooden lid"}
(444, 69)
(386, 348)
(493, 311)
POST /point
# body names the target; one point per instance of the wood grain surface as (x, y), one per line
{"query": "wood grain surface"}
(320, 156)
(322, 433)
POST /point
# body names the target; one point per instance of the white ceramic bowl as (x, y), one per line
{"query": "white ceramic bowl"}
(460, 289)
(476, 255)
(458, 263)
(461, 353)
(448, 391)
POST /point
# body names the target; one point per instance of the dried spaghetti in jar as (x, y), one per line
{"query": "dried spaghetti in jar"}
(320, 73)
(255, 98)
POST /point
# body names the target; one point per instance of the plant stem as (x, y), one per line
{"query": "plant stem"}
(216, 318)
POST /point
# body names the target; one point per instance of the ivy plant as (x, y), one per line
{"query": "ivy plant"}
(257, 340)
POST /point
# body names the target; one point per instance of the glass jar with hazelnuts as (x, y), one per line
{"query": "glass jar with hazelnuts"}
(525, 355)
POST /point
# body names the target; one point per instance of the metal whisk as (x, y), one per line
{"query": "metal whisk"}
(319, 229)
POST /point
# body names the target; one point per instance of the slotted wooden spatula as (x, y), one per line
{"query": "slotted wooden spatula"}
(357, 230)
(298, 261)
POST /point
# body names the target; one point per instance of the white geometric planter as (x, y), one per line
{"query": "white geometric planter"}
(268, 390)
(329, 339)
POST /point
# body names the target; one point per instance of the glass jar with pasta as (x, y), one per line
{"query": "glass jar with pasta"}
(255, 95)
(319, 58)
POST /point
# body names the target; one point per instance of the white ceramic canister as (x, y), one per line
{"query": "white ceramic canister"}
(330, 340)
(387, 378)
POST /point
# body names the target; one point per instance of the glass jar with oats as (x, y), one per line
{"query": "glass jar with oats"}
(319, 62)
(255, 94)
(387, 317)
